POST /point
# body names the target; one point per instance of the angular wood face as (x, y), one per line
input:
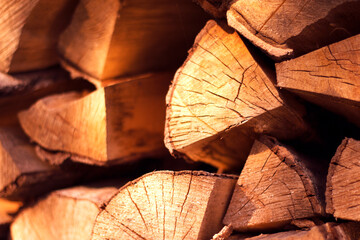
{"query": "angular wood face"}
(343, 182)
(273, 189)
(167, 205)
(27, 41)
(123, 121)
(289, 27)
(221, 86)
(112, 38)
(329, 77)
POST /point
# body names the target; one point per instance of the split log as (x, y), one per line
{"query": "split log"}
(29, 31)
(63, 214)
(275, 187)
(120, 122)
(343, 231)
(291, 28)
(112, 38)
(328, 77)
(23, 175)
(18, 91)
(343, 181)
(167, 205)
(223, 95)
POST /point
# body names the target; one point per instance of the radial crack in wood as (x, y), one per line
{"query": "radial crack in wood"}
(285, 28)
(329, 77)
(23, 174)
(29, 30)
(343, 231)
(120, 122)
(343, 182)
(275, 187)
(63, 214)
(167, 205)
(223, 95)
(112, 38)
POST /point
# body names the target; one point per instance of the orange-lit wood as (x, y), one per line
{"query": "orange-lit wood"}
(221, 97)
(29, 31)
(122, 121)
(112, 38)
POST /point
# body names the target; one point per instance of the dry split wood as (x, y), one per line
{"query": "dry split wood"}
(275, 187)
(167, 205)
(221, 97)
(29, 30)
(120, 122)
(112, 38)
(343, 181)
(329, 77)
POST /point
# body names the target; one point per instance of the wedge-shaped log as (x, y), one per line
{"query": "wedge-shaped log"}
(111, 38)
(343, 181)
(63, 214)
(283, 28)
(345, 231)
(120, 122)
(221, 96)
(329, 77)
(275, 187)
(167, 205)
(29, 30)
(23, 174)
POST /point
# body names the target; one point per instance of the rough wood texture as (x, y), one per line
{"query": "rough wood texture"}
(167, 205)
(275, 187)
(108, 39)
(29, 30)
(343, 181)
(22, 174)
(64, 214)
(343, 231)
(289, 27)
(329, 77)
(120, 122)
(221, 96)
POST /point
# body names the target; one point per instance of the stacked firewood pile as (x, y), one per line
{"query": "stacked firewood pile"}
(261, 119)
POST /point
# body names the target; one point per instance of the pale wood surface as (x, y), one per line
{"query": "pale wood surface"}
(120, 122)
(64, 214)
(329, 77)
(274, 188)
(29, 31)
(111, 38)
(343, 182)
(283, 28)
(221, 96)
(167, 205)
(344, 231)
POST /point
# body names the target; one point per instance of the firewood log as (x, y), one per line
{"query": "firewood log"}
(343, 181)
(275, 187)
(63, 214)
(29, 30)
(221, 96)
(291, 28)
(120, 122)
(166, 205)
(112, 38)
(329, 77)
(343, 231)
(22, 174)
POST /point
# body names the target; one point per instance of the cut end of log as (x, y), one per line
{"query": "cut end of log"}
(343, 181)
(273, 189)
(222, 90)
(167, 205)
